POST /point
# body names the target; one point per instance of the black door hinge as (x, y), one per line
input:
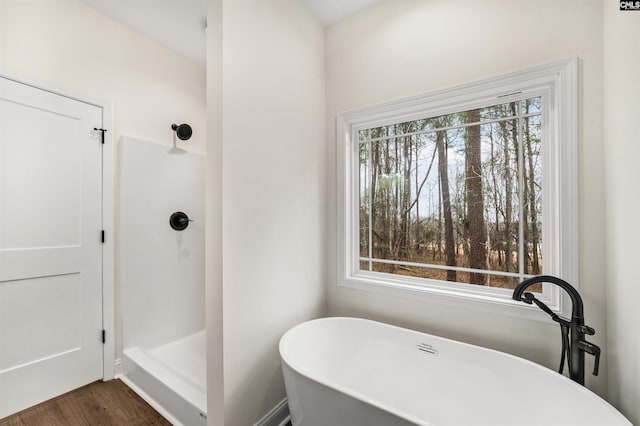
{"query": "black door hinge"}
(102, 236)
(104, 336)
(101, 131)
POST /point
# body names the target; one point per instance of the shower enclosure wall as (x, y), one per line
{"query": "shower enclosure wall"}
(161, 278)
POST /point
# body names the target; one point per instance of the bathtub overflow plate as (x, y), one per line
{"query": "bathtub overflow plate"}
(424, 347)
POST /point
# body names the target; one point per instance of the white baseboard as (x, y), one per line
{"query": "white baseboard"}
(277, 416)
(117, 367)
(152, 402)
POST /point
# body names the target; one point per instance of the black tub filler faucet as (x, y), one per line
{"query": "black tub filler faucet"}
(573, 331)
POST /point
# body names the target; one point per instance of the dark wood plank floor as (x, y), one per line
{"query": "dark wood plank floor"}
(98, 403)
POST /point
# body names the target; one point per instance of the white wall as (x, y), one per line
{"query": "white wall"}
(213, 206)
(161, 279)
(273, 193)
(70, 45)
(621, 95)
(399, 48)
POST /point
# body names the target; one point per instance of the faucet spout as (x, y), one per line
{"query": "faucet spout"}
(577, 307)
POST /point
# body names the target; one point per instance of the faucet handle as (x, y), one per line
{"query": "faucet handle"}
(528, 298)
(594, 350)
(586, 330)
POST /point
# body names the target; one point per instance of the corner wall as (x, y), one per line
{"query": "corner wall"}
(273, 200)
(621, 95)
(213, 229)
(399, 48)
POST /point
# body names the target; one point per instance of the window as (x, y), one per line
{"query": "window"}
(460, 194)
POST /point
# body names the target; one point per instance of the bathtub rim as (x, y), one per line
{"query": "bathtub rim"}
(394, 410)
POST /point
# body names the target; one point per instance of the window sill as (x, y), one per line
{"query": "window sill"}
(497, 302)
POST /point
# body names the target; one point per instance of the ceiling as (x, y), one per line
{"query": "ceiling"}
(179, 24)
(331, 11)
(176, 24)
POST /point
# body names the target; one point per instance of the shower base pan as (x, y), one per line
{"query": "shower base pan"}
(171, 378)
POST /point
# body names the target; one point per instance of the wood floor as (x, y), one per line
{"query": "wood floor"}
(98, 403)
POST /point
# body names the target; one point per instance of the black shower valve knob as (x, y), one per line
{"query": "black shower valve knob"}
(179, 221)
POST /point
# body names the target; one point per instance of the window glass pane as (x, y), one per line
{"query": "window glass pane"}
(532, 194)
(500, 160)
(414, 271)
(500, 281)
(388, 188)
(496, 281)
(365, 176)
(364, 265)
(434, 123)
(532, 106)
(493, 112)
(452, 197)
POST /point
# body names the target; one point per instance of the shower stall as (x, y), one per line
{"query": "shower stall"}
(161, 278)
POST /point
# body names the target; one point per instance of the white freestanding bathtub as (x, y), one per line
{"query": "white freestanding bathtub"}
(356, 372)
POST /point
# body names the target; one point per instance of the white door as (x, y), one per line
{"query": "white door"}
(50, 245)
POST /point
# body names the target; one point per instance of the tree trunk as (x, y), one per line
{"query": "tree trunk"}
(375, 196)
(532, 199)
(525, 220)
(446, 203)
(475, 202)
(508, 258)
(439, 212)
(496, 245)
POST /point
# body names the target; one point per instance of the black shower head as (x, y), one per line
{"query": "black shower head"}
(183, 131)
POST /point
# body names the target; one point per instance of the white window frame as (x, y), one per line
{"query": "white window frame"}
(557, 83)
